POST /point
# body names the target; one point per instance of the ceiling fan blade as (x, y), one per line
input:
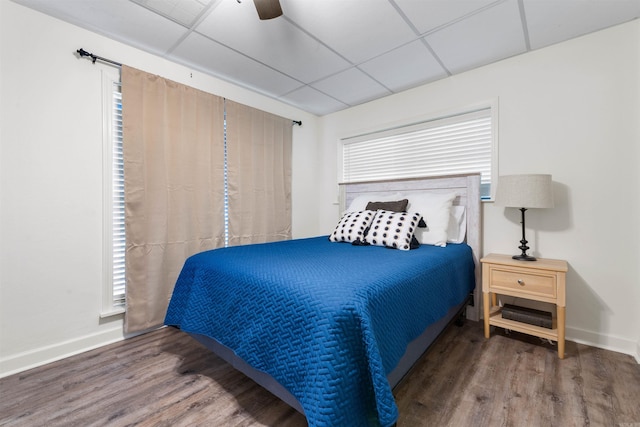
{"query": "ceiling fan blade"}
(268, 9)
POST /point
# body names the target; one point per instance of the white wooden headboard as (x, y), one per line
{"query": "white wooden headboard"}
(467, 188)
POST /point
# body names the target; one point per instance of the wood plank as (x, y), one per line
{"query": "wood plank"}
(165, 378)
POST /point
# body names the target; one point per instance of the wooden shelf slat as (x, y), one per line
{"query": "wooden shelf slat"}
(496, 319)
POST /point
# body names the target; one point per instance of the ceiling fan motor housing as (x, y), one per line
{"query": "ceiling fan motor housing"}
(268, 9)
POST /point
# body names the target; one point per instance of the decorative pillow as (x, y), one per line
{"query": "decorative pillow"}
(360, 202)
(393, 229)
(393, 206)
(457, 229)
(435, 209)
(352, 226)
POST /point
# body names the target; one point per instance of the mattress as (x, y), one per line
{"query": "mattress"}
(328, 321)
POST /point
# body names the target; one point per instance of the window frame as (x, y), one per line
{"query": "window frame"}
(400, 127)
(110, 78)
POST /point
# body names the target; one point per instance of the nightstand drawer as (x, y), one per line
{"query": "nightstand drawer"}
(542, 284)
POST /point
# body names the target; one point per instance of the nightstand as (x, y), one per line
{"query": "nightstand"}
(541, 280)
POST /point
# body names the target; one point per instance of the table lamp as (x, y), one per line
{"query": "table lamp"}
(524, 192)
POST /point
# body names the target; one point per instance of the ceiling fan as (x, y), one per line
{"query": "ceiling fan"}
(268, 9)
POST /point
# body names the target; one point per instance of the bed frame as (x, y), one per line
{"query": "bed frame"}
(467, 188)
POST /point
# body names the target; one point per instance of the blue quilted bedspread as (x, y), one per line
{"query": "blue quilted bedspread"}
(327, 320)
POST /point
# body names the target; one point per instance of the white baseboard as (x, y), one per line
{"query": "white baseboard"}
(30, 359)
(43, 355)
(607, 342)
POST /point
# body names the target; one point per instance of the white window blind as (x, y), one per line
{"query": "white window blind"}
(455, 144)
(118, 232)
(114, 282)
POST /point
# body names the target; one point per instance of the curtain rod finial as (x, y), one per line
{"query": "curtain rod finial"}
(297, 122)
(94, 57)
(84, 53)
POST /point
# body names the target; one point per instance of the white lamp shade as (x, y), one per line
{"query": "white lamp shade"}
(524, 191)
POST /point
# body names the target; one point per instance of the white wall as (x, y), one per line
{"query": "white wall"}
(571, 110)
(51, 182)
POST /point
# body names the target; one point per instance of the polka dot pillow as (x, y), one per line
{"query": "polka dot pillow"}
(393, 229)
(352, 226)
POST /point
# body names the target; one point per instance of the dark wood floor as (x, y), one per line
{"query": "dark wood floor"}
(165, 378)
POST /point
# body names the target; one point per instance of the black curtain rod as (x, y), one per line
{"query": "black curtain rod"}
(95, 58)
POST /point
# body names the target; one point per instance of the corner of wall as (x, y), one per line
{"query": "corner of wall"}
(604, 341)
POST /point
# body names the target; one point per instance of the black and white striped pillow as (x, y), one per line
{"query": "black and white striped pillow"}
(393, 229)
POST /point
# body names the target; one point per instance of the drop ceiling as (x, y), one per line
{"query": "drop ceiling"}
(323, 56)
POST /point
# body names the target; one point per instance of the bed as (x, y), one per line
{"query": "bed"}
(330, 327)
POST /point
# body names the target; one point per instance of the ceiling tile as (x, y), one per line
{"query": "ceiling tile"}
(429, 15)
(120, 20)
(491, 35)
(405, 67)
(184, 12)
(356, 29)
(213, 58)
(550, 22)
(351, 87)
(313, 101)
(275, 42)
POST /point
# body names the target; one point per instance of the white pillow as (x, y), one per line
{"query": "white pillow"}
(352, 226)
(435, 209)
(393, 229)
(360, 202)
(457, 229)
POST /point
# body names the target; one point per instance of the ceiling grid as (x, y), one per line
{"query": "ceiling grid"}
(325, 56)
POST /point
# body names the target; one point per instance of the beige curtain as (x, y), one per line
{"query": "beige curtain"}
(259, 175)
(173, 146)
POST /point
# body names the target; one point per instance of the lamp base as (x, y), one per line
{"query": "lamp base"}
(524, 258)
(523, 243)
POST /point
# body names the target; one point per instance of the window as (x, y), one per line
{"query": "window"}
(113, 295)
(456, 144)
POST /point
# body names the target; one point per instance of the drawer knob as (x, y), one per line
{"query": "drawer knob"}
(520, 282)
